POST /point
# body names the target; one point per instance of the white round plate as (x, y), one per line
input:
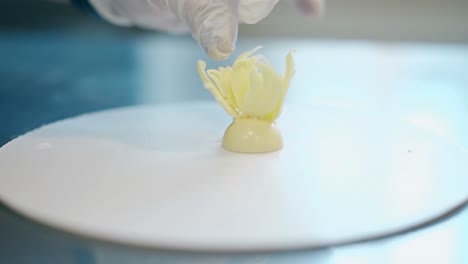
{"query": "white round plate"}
(156, 176)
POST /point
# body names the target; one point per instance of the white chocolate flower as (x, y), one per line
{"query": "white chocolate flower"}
(251, 88)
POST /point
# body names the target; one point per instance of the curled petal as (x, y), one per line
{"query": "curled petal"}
(290, 71)
(208, 83)
(222, 79)
(248, 53)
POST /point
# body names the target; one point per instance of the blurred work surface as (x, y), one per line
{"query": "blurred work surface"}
(56, 63)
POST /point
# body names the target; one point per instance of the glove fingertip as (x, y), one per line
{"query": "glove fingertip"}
(218, 48)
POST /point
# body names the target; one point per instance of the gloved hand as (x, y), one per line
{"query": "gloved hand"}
(213, 23)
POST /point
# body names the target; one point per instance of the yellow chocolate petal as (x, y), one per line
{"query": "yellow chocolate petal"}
(226, 78)
(289, 73)
(248, 53)
(254, 95)
(241, 79)
(208, 83)
(216, 77)
(273, 90)
(222, 79)
(260, 103)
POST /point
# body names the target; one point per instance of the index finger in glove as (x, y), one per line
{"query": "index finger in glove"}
(213, 23)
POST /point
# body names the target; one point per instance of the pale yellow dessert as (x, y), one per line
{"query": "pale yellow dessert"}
(253, 94)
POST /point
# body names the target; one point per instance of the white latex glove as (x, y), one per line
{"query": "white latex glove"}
(213, 23)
